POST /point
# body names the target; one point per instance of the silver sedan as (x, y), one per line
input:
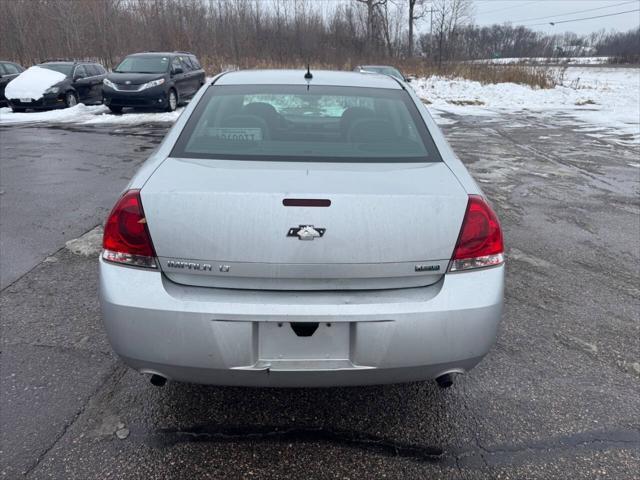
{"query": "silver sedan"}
(302, 229)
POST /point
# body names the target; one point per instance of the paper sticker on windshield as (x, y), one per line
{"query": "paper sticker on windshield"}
(237, 134)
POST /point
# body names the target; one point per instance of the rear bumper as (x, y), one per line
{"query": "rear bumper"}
(155, 97)
(44, 103)
(232, 337)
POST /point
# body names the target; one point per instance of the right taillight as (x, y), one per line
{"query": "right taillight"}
(126, 237)
(480, 240)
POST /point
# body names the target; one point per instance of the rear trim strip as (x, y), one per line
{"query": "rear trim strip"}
(306, 202)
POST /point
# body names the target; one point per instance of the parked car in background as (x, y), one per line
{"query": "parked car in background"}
(383, 69)
(56, 84)
(159, 80)
(8, 71)
(302, 230)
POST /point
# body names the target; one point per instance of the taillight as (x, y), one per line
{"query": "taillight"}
(480, 240)
(126, 236)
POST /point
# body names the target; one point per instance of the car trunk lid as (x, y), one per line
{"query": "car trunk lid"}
(232, 223)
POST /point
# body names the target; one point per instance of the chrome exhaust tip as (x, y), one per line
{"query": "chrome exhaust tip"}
(158, 380)
(445, 381)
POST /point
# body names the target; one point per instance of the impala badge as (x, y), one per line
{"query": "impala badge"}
(306, 232)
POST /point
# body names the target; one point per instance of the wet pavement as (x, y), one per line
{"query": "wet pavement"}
(557, 397)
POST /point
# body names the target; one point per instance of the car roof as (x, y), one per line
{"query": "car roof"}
(378, 66)
(159, 54)
(296, 77)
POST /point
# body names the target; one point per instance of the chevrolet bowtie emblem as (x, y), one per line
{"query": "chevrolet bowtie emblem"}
(306, 232)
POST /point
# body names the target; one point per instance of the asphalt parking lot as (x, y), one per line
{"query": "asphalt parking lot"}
(557, 397)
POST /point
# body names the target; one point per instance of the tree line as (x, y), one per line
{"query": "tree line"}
(248, 33)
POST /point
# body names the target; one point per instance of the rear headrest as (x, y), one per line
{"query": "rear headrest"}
(371, 130)
(246, 121)
(264, 110)
(354, 113)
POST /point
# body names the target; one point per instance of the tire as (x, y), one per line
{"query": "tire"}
(18, 109)
(172, 101)
(70, 99)
(115, 109)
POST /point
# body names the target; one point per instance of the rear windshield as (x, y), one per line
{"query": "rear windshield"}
(143, 65)
(300, 123)
(64, 68)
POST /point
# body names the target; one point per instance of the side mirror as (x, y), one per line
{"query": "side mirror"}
(177, 71)
(407, 79)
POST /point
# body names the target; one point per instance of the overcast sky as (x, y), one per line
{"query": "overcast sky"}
(526, 12)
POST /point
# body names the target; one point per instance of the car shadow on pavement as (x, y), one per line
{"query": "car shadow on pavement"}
(408, 420)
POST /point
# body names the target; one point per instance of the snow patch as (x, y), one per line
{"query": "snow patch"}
(546, 61)
(32, 83)
(605, 97)
(89, 244)
(87, 115)
(519, 255)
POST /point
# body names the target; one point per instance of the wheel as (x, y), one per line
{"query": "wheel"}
(70, 99)
(115, 109)
(18, 109)
(172, 101)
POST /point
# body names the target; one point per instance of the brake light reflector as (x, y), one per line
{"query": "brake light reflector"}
(126, 237)
(480, 241)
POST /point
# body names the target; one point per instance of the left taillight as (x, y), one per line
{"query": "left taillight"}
(126, 237)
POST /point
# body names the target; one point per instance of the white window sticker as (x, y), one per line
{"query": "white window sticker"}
(237, 134)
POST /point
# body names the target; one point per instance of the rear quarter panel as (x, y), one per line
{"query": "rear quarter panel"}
(164, 149)
(449, 157)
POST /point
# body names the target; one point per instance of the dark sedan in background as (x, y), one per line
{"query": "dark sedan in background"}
(158, 80)
(8, 71)
(82, 83)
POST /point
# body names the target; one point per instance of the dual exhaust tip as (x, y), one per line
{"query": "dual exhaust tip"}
(443, 381)
(158, 380)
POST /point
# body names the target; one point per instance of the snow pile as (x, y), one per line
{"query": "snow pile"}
(32, 83)
(606, 97)
(546, 60)
(86, 115)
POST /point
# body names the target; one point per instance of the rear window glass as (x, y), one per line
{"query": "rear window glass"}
(10, 68)
(195, 63)
(80, 72)
(143, 64)
(186, 64)
(92, 70)
(300, 123)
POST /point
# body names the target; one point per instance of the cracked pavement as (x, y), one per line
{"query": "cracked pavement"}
(557, 397)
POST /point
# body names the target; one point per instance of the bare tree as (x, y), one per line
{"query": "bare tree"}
(255, 33)
(417, 11)
(449, 16)
(372, 6)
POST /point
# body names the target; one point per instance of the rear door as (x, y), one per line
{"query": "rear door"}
(190, 74)
(82, 84)
(8, 72)
(200, 75)
(179, 77)
(97, 74)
